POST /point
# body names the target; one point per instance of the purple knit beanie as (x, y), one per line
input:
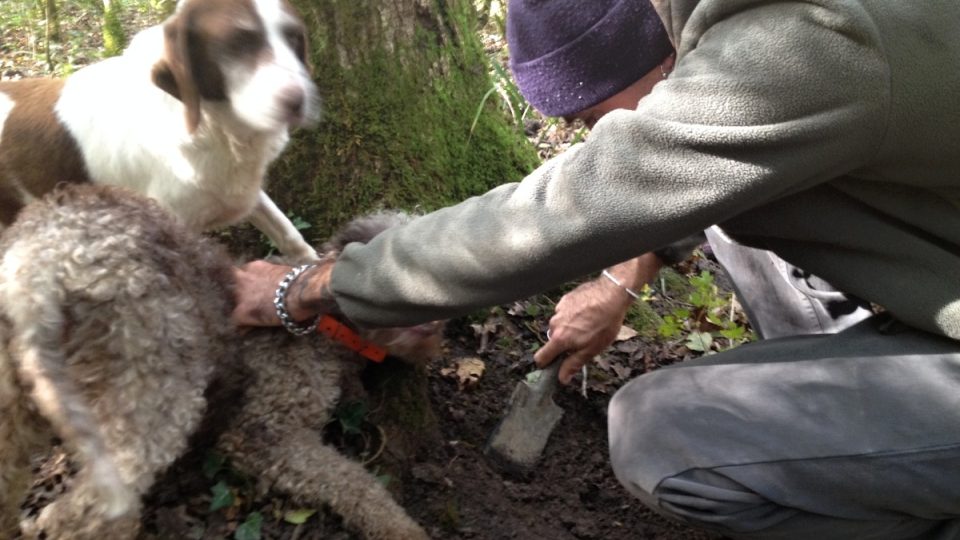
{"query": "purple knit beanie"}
(569, 55)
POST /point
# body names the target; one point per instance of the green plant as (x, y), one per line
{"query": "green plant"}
(707, 321)
(231, 489)
(512, 100)
(221, 496)
(351, 416)
(229, 486)
(298, 516)
(250, 528)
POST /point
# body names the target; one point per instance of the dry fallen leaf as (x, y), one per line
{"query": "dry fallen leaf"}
(467, 372)
(622, 371)
(625, 333)
(487, 327)
(602, 362)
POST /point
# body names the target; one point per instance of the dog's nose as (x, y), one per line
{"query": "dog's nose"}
(293, 102)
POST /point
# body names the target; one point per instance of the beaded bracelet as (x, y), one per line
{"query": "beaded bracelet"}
(280, 303)
(630, 291)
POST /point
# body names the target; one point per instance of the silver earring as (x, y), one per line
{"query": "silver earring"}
(664, 72)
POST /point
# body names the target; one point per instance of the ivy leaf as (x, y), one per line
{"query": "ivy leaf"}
(699, 341)
(250, 528)
(704, 281)
(670, 327)
(715, 319)
(351, 416)
(299, 223)
(212, 464)
(298, 517)
(222, 496)
(735, 332)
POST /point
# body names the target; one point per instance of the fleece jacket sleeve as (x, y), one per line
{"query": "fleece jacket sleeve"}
(772, 100)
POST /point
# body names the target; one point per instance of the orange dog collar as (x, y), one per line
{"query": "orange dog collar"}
(340, 332)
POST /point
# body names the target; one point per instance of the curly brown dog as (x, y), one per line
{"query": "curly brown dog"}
(293, 386)
(114, 323)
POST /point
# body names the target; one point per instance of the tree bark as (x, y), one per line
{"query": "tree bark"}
(52, 20)
(114, 37)
(51, 29)
(401, 82)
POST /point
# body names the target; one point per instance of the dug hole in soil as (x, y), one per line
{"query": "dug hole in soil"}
(571, 494)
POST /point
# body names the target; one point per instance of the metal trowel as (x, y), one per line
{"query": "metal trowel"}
(519, 439)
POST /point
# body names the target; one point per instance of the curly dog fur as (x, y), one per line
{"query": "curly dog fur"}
(113, 327)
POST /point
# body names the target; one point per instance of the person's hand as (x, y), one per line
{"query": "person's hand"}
(585, 322)
(256, 284)
(588, 318)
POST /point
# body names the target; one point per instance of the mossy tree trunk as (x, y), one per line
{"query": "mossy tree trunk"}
(404, 125)
(51, 28)
(401, 82)
(114, 37)
(52, 21)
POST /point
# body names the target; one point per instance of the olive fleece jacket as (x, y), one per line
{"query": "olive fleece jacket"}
(827, 131)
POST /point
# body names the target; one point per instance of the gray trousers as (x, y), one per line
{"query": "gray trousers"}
(851, 431)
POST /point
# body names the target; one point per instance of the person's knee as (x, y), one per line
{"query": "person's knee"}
(665, 451)
(653, 453)
(633, 419)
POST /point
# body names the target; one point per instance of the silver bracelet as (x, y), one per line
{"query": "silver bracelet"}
(280, 303)
(630, 291)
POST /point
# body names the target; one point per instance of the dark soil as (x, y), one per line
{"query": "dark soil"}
(570, 494)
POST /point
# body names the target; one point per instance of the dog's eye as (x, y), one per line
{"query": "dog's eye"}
(297, 41)
(245, 41)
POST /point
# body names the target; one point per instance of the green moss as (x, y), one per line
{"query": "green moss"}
(114, 38)
(643, 318)
(396, 123)
(675, 284)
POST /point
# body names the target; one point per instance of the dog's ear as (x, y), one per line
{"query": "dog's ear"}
(173, 74)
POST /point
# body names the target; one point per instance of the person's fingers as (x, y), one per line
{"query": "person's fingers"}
(572, 365)
(548, 353)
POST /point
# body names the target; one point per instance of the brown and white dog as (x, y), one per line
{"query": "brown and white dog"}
(191, 114)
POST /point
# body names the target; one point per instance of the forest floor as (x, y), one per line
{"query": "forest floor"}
(452, 488)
